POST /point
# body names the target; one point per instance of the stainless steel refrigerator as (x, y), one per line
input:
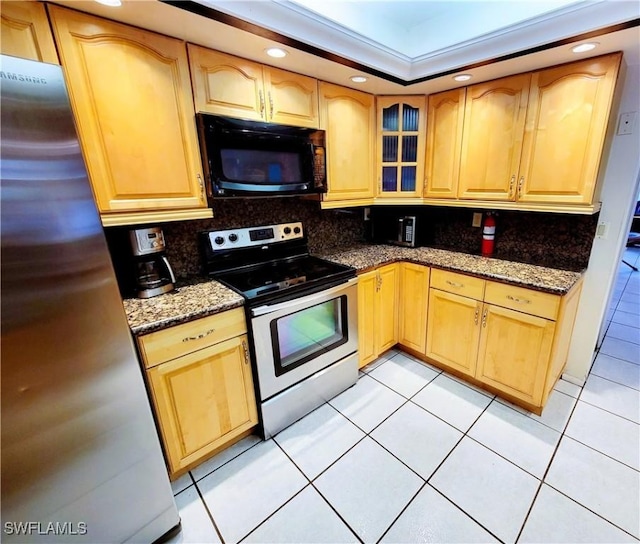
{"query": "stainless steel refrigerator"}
(81, 459)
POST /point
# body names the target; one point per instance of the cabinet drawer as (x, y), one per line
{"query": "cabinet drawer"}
(457, 283)
(168, 344)
(523, 300)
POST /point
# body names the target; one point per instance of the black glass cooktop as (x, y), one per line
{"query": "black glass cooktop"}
(278, 278)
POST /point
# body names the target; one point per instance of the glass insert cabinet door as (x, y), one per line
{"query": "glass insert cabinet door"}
(401, 145)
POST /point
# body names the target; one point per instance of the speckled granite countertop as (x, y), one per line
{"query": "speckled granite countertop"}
(550, 280)
(191, 300)
(203, 297)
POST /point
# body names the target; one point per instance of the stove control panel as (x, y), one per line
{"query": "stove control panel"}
(254, 236)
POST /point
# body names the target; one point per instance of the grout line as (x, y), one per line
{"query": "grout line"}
(206, 508)
(602, 453)
(227, 461)
(402, 511)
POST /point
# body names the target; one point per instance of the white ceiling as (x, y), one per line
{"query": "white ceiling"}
(406, 40)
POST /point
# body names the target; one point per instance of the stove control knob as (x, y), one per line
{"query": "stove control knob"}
(233, 237)
(219, 240)
(296, 230)
(287, 230)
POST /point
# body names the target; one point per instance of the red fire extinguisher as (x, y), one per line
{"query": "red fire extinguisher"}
(488, 235)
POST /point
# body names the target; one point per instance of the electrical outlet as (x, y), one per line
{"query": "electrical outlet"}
(477, 220)
(626, 122)
(367, 214)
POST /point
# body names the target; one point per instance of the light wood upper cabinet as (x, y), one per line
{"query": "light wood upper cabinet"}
(131, 95)
(494, 121)
(400, 145)
(25, 31)
(235, 87)
(445, 115)
(414, 299)
(569, 108)
(348, 117)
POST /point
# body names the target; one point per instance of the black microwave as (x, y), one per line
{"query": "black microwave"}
(251, 158)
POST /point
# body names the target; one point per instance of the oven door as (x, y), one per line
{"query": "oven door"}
(297, 338)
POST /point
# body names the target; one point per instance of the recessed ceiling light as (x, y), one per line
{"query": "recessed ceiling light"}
(276, 52)
(112, 3)
(358, 79)
(462, 77)
(583, 47)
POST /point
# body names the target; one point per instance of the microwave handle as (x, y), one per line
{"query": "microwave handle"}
(270, 308)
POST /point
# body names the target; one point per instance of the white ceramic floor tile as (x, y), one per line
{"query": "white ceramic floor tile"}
(598, 482)
(181, 483)
(196, 523)
(557, 411)
(404, 375)
(453, 402)
(525, 442)
(568, 388)
(224, 456)
(318, 439)
(367, 403)
(305, 518)
(617, 370)
(417, 438)
(368, 487)
(245, 491)
(609, 434)
(627, 296)
(633, 320)
(621, 349)
(629, 307)
(556, 518)
(624, 332)
(493, 491)
(613, 397)
(432, 518)
(389, 354)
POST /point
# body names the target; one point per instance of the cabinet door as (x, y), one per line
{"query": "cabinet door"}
(494, 119)
(453, 330)
(414, 297)
(203, 400)
(131, 96)
(226, 85)
(567, 119)
(367, 323)
(387, 309)
(444, 143)
(400, 136)
(348, 117)
(514, 352)
(291, 99)
(26, 33)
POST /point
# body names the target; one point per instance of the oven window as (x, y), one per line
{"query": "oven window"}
(308, 333)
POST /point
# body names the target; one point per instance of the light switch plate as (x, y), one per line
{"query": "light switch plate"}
(627, 122)
(602, 230)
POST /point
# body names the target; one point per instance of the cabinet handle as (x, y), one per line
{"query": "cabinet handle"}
(511, 184)
(519, 300)
(475, 317)
(261, 103)
(270, 106)
(484, 317)
(378, 281)
(520, 183)
(245, 347)
(201, 187)
(199, 336)
(454, 284)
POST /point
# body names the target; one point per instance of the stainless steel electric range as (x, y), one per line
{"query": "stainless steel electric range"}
(301, 314)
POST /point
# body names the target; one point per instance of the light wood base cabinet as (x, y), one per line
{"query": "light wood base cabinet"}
(413, 303)
(377, 312)
(131, 96)
(204, 399)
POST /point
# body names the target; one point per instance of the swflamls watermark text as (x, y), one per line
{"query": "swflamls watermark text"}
(57, 528)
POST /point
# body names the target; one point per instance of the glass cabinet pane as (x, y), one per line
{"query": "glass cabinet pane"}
(409, 118)
(409, 148)
(389, 149)
(408, 178)
(389, 178)
(390, 118)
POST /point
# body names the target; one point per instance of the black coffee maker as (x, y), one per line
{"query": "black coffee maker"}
(151, 269)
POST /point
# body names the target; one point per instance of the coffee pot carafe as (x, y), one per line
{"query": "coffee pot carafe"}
(153, 273)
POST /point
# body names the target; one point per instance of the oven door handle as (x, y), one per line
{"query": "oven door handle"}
(269, 308)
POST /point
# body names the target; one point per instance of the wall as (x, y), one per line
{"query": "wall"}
(619, 190)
